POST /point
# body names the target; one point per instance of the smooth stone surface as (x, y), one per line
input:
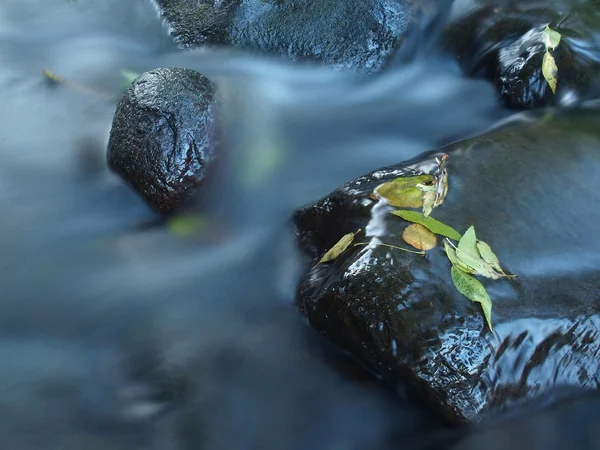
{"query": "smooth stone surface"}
(346, 34)
(164, 136)
(532, 194)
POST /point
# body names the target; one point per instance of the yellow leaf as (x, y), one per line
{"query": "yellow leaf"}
(550, 71)
(405, 192)
(419, 237)
(339, 247)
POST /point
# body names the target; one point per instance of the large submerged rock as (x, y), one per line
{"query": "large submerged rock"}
(164, 136)
(506, 45)
(349, 34)
(532, 193)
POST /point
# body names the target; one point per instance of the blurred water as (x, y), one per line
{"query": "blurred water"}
(116, 333)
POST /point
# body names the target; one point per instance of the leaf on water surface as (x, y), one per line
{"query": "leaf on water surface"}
(550, 71)
(52, 76)
(551, 38)
(186, 225)
(339, 247)
(471, 288)
(130, 76)
(430, 223)
(419, 237)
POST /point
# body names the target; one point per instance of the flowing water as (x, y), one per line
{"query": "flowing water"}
(116, 332)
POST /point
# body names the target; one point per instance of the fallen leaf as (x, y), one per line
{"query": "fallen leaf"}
(469, 255)
(477, 265)
(468, 243)
(451, 252)
(551, 38)
(52, 76)
(419, 237)
(430, 223)
(489, 256)
(339, 247)
(441, 188)
(428, 202)
(550, 71)
(186, 225)
(403, 192)
(471, 288)
(390, 246)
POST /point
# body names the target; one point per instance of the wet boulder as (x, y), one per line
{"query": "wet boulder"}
(507, 45)
(347, 34)
(531, 192)
(164, 137)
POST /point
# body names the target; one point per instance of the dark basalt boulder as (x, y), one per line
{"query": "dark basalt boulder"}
(164, 136)
(348, 34)
(532, 193)
(505, 44)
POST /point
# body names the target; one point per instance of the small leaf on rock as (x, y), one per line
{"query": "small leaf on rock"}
(419, 237)
(451, 252)
(428, 202)
(471, 288)
(468, 243)
(339, 247)
(430, 223)
(550, 71)
(489, 256)
(405, 192)
(551, 38)
(477, 265)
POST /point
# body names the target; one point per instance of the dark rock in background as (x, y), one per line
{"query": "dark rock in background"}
(527, 190)
(164, 136)
(347, 34)
(504, 44)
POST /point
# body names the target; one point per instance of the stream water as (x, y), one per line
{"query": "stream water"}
(115, 332)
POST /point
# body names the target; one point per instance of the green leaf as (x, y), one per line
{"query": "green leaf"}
(451, 252)
(477, 265)
(550, 71)
(339, 247)
(186, 225)
(551, 38)
(468, 243)
(52, 76)
(489, 256)
(405, 192)
(471, 288)
(430, 223)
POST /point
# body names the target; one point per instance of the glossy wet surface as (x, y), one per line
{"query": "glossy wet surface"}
(116, 333)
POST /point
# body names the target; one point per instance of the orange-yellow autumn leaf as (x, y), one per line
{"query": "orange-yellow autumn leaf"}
(419, 237)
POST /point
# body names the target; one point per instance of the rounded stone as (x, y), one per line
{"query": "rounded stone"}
(164, 136)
